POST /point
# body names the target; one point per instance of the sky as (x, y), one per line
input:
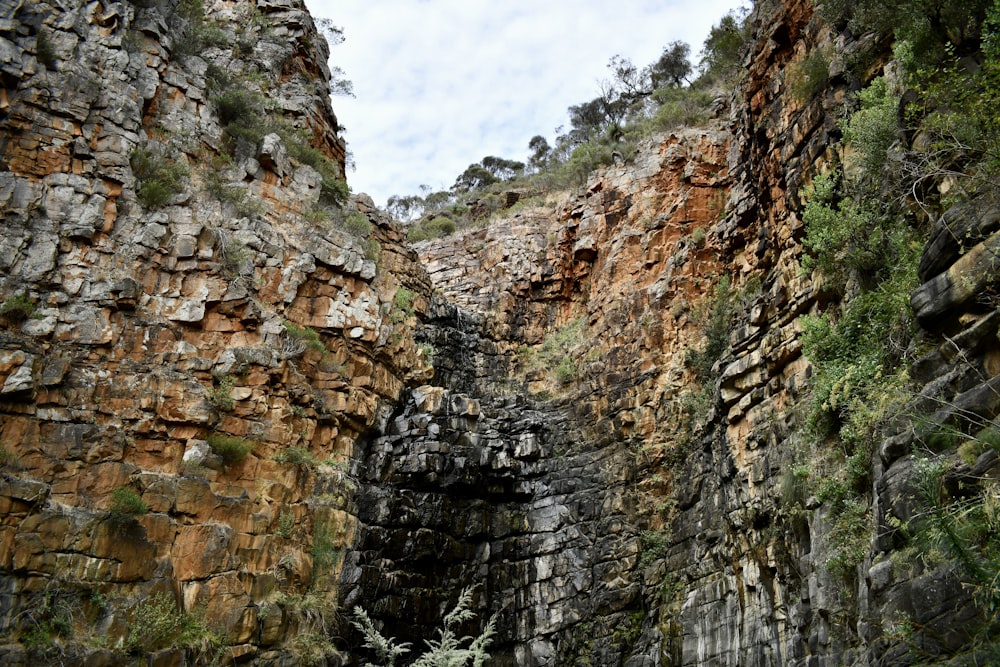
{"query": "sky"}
(440, 84)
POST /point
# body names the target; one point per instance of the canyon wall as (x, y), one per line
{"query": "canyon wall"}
(239, 406)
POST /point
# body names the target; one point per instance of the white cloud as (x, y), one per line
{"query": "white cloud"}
(442, 83)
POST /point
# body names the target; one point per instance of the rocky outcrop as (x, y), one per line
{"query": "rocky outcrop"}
(187, 360)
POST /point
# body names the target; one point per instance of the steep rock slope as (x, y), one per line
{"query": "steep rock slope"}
(191, 341)
(645, 336)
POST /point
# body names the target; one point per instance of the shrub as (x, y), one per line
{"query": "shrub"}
(809, 76)
(433, 228)
(354, 223)
(222, 396)
(241, 114)
(16, 309)
(160, 175)
(8, 458)
(286, 524)
(157, 624)
(446, 650)
(48, 618)
(852, 530)
(126, 502)
(715, 332)
(305, 336)
(403, 300)
(297, 456)
(654, 545)
(232, 449)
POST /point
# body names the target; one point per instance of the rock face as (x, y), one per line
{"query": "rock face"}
(211, 352)
(231, 409)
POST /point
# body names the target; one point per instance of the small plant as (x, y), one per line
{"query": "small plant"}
(16, 309)
(157, 624)
(354, 223)
(232, 449)
(44, 51)
(192, 469)
(125, 502)
(49, 618)
(433, 228)
(286, 524)
(313, 648)
(427, 351)
(402, 305)
(161, 176)
(297, 456)
(324, 551)
(306, 336)
(8, 458)
(809, 76)
(654, 545)
(566, 371)
(446, 650)
(221, 396)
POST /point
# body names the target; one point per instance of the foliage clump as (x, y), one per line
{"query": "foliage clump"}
(127, 502)
(156, 623)
(16, 309)
(449, 649)
(160, 173)
(231, 449)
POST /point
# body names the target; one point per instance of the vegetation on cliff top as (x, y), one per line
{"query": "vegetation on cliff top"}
(632, 104)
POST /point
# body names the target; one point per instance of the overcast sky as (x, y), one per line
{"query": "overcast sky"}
(440, 84)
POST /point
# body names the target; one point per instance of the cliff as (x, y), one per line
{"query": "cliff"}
(235, 404)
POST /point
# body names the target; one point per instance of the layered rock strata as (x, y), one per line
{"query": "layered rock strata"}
(182, 377)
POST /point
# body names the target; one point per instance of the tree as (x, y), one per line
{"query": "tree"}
(502, 168)
(588, 118)
(540, 151)
(673, 67)
(405, 207)
(474, 176)
(720, 55)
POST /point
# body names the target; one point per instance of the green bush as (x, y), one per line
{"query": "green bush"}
(297, 456)
(679, 107)
(157, 623)
(286, 524)
(231, 449)
(16, 309)
(222, 395)
(446, 650)
(126, 502)
(241, 114)
(654, 545)
(717, 320)
(354, 223)
(433, 228)
(403, 301)
(556, 355)
(307, 336)
(333, 189)
(161, 175)
(809, 76)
